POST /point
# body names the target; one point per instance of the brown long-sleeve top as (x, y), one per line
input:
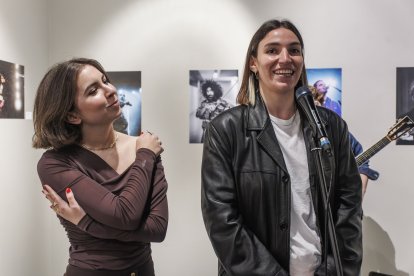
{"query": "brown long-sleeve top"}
(125, 212)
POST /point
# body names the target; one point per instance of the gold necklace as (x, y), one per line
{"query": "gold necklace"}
(104, 148)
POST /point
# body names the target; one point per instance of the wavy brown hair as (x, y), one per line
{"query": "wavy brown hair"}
(250, 84)
(55, 98)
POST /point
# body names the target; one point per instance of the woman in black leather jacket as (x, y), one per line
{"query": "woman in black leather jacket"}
(260, 195)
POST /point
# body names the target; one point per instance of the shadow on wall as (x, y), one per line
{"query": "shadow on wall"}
(379, 252)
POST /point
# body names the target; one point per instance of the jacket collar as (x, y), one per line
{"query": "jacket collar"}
(257, 114)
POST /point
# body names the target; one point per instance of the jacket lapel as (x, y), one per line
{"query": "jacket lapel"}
(267, 139)
(258, 120)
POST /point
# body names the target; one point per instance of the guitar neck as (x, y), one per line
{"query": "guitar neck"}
(366, 155)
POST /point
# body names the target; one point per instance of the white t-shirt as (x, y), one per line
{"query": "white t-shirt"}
(305, 245)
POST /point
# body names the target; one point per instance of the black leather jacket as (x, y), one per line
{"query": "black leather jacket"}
(245, 193)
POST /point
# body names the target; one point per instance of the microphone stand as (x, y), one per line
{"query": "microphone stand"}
(323, 150)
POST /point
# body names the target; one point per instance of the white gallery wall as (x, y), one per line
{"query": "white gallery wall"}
(23, 218)
(165, 39)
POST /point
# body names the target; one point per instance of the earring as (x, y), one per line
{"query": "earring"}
(254, 72)
(251, 90)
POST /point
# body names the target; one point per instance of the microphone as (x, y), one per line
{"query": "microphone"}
(305, 100)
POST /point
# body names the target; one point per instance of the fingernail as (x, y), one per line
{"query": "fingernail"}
(68, 190)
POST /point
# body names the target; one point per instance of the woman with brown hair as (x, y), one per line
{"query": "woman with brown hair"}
(260, 199)
(118, 180)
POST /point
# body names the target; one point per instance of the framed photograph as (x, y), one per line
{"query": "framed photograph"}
(211, 93)
(11, 90)
(405, 100)
(128, 85)
(327, 82)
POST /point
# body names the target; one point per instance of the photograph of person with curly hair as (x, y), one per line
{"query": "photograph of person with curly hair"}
(211, 93)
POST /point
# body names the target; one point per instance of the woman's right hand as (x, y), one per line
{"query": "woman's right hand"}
(71, 212)
(149, 141)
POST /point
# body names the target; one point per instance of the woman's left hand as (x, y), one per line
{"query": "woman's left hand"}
(71, 212)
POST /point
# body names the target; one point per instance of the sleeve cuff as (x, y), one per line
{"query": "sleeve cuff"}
(372, 174)
(84, 223)
(146, 153)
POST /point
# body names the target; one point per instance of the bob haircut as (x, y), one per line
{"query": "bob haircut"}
(218, 91)
(250, 84)
(55, 99)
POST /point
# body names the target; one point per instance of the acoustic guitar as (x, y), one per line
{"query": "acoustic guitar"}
(403, 125)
